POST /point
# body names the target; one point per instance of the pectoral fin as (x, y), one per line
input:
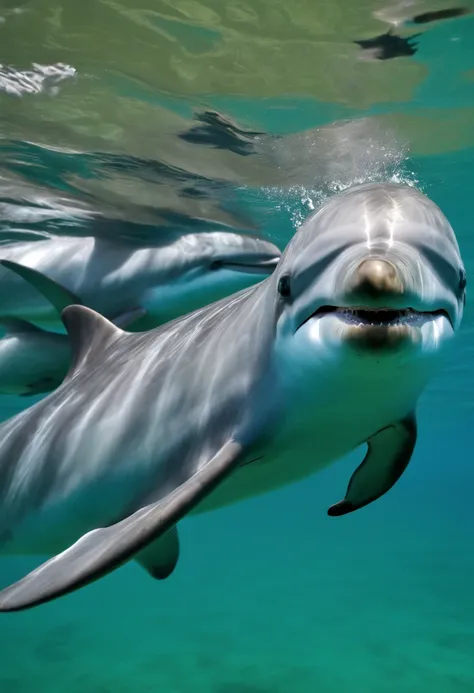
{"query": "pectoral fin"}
(102, 550)
(55, 293)
(160, 558)
(389, 453)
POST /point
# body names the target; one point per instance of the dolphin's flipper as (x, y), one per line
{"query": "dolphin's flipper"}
(55, 293)
(389, 453)
(102, 550)
(160, 558)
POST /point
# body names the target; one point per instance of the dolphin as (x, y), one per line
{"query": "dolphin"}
(34, 361)
(245, 395)
(176, 276)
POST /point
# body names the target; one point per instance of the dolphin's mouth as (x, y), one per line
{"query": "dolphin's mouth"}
(257, 267)
(380, 317)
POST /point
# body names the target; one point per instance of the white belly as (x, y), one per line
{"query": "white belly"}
(315, 432)
(295, 453)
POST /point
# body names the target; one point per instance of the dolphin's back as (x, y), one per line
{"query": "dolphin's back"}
(132, 404)
(103, 274)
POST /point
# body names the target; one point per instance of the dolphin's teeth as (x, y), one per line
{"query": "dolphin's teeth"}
(358, 316)
(363, 317)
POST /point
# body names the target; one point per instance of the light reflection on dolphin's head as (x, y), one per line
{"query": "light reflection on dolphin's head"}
(376, 270)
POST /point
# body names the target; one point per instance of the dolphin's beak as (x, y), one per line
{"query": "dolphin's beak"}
(257, 267)
(254, 256)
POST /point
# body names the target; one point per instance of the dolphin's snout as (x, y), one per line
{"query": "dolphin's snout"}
(259, 257)
(268, 254)
(376, 277)
(270, 264)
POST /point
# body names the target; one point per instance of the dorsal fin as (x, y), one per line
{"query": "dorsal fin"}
(55, 293)
(89, 333)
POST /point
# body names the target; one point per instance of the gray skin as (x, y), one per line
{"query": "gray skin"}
(35, 361)
(32, 360)
(168, 280)
(240, 397)
(154, 284)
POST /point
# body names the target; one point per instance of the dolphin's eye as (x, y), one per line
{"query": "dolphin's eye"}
(462, 280)
(284, 286)
(215, 265)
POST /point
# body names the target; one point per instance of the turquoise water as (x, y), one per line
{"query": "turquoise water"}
(271, 595)
(274, 596)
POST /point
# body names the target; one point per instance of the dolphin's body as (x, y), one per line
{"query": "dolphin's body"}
(245, 395)
(168, 280)
(156, 284)
(34, 360)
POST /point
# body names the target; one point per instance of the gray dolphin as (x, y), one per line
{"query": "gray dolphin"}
(240, 397)
(136, 287)
(166, 280)
(35, 361)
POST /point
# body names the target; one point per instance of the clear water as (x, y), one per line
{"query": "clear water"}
(270, 596)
